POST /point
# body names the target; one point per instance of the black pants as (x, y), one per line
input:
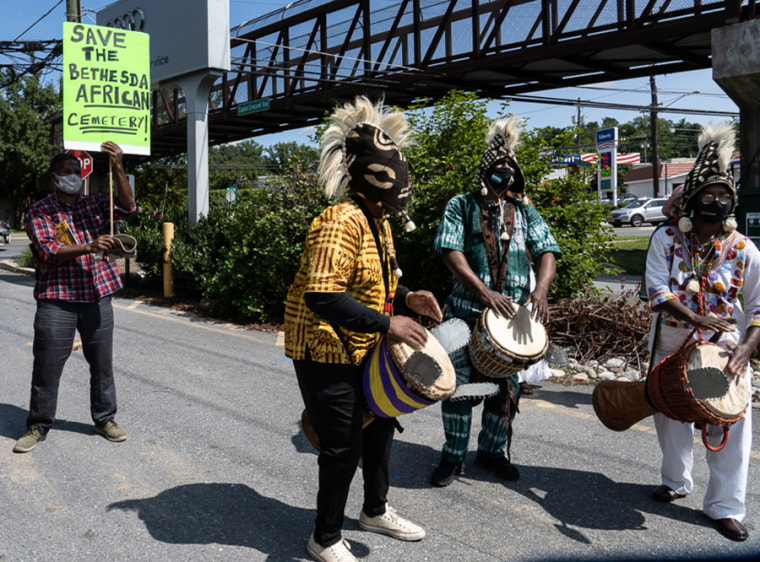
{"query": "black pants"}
(55, 326)
(333, 397)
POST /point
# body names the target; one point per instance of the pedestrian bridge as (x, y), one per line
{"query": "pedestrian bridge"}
(301, 60)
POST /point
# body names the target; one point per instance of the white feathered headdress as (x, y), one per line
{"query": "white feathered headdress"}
(501, 141)
(362, 136)
(508, 129)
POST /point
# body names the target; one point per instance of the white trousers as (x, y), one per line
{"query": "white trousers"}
(729, 468)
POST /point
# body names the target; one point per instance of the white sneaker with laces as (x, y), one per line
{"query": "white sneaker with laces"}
(339, 552)
(391, 524)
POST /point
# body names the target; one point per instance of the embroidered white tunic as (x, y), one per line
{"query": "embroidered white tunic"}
(734, 267)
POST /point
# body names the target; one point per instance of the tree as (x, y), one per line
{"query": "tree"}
(161, 182)
(279, 156)
(241, 162)
(449, 143)
(27, 108)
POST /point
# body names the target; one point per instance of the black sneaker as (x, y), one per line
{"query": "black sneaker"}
(501, 467)
(445, 472)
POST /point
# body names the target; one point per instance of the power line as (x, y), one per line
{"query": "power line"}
(646, 91)
(621, 106)
(39, 19)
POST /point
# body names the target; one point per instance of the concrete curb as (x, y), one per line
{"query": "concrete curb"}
(12, 266)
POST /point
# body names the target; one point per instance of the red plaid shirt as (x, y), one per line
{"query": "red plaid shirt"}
(87, 278)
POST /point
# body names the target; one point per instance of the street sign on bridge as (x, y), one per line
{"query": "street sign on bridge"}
(85, 161)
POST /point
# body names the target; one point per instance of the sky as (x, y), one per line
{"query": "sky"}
(691, 90)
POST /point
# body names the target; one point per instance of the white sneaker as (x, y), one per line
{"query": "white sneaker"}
(339, 552)
(389, 523)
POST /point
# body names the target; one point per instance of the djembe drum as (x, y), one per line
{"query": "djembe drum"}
(399, 379)
(500, 346)
(690, 386)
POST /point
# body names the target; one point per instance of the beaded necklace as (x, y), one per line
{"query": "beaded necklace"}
(701, 260)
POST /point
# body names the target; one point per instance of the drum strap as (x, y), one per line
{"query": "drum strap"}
(383, 251)
(490, 228)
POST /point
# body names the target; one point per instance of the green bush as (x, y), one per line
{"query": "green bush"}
(147, 229)
(25, 258)
(241, 257)
(449, 145)
(572, 211)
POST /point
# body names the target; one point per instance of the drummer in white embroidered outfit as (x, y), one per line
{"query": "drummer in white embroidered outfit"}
(703, 253)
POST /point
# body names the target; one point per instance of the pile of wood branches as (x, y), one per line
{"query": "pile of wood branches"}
(602, 328)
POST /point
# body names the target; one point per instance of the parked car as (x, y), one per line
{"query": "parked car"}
(638, 212)
(623, 198)
(5, 232)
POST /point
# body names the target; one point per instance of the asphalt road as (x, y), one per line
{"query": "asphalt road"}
(626, 231)
(13, 249)
(216, 468)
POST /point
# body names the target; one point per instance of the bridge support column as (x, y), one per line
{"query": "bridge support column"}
(196, 88)
(736, 68)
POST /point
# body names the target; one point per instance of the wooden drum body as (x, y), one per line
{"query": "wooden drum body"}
(399, 379)
(499, 346)
(620, 404)
(691, 386)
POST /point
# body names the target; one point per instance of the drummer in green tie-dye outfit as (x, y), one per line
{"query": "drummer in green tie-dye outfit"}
(474, 233)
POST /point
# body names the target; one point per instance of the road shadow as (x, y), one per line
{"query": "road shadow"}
(577, 499)
(581, 499)
(13, 423)
(228, 514)
(565, 397)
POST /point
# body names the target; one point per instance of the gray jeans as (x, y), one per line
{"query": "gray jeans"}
(55, 325)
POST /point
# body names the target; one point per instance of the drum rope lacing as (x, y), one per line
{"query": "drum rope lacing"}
(488, 355)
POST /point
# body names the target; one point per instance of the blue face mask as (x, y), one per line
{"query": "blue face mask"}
(70, 184)
(502, 177)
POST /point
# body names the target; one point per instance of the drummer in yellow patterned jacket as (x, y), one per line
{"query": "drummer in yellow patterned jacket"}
(342, 297)
(484, 238)
(702, 256)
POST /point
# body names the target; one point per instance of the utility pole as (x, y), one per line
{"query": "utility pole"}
(74, 11)
(578, 120)
(653, 127)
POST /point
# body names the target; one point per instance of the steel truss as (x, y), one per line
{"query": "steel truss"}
(406, 50)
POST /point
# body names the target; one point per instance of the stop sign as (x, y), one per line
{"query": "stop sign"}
(85, 161)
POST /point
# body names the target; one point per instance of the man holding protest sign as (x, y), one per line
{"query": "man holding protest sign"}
(70, 235)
